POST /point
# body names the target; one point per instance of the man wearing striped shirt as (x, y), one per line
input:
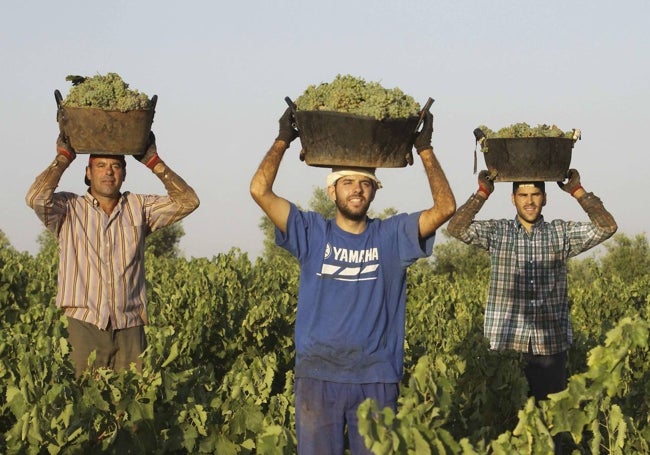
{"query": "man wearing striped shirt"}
(527, 308)
(101, 236)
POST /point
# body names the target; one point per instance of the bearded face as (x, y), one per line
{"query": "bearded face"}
(352, 196)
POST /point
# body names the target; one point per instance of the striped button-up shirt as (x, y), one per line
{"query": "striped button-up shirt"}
(527, 303)
(101, 276)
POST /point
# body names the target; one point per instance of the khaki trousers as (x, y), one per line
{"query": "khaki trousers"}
(116, 349)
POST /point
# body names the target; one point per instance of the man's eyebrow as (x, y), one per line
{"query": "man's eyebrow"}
(361, 178)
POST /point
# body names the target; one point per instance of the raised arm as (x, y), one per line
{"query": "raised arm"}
(444, 203)
(590, 203)
(464, 216)
(182, 195)
(40, 195)
(261, 188)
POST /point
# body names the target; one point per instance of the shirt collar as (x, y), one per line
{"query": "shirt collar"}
(536, 225)
(91, 199)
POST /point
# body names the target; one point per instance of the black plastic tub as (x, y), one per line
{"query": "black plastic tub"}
(528, 158)
(339, 139)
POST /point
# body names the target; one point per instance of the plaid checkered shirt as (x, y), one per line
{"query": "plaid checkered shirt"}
(527, 306)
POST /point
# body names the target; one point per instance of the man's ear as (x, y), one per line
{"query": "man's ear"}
(374, 192)
(544, 200)
(331, 192)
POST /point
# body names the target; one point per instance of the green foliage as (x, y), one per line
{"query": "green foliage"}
(164, 242)
(627, 257)
(596, 406)
(271, 250)
(354, 95)
(218, 371)
(523, 129)
(453, 258)
(48, 245)
(105, 92)
(320, 202)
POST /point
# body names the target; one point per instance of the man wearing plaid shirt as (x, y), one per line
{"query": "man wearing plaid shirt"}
(527, 308)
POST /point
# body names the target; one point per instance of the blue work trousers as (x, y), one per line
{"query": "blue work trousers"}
(324, 409)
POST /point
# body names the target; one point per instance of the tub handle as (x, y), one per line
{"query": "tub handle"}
(293, 108)
(423, 113)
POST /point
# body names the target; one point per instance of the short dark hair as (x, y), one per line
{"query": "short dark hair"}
(539, 184)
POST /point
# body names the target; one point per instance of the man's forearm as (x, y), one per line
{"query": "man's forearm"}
(444, 203)
(267, 171)
(438, 183)
(597, 213)
(177, 189)
(464, 216)
(46, 182)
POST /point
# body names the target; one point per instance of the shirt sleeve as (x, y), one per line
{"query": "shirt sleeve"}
(411, 246)
(463, 226)
(582, 236)
(50, 207)
(181, 200)
(460, 223)
(295, 240)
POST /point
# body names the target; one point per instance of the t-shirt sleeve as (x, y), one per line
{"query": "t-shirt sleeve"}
(295, 239)
(411, 246)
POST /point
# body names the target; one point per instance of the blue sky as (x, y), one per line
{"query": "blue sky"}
(221, 71)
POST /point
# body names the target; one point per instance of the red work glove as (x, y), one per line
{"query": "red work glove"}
(64, 148)
(149, 158)
(573, 184)
(485, 184)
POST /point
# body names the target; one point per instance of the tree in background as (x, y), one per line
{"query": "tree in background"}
(4, 241)
(48, 246)
(164, 242)
(455, 258)
(320, 202)
(270, 249)
(627, 257)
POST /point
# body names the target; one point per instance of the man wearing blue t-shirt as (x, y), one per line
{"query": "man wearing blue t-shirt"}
(351, 302)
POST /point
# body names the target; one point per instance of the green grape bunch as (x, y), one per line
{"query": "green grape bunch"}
(354, 95)
(525, 130)
(107, 92)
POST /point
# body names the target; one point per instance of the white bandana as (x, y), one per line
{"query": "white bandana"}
(337, 173)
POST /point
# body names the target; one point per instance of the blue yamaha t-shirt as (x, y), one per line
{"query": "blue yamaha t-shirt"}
(352, 296)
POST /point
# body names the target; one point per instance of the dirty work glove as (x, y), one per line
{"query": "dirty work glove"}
(64, 148)
(485, 184)
(150, 157)
(573, 184)
(287, 131)
(423, 138)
